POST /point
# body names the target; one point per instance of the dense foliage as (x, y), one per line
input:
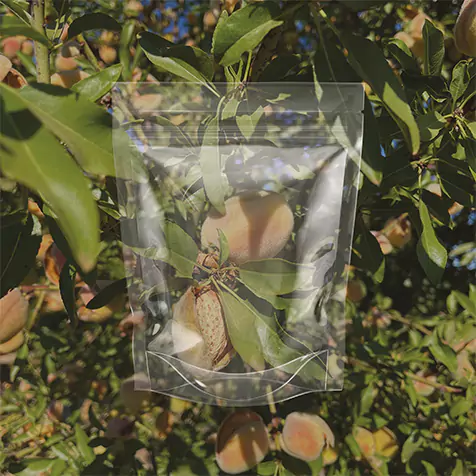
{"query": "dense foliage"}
(66, 405)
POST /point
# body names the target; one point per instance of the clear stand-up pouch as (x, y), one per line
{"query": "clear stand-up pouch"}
(237, 234)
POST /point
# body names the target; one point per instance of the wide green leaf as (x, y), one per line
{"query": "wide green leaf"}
(443, 353)
(434, 49)
(82, 442)
(32, 156)
(14, 26)
(432, 255)
(211, 166)
(465, 302)
(371, 65)
(224, 247)
(19, 249)
(97, 85)
(186, 62)
(247, 122)
(244, 30)
(85, 127)
(92, 21)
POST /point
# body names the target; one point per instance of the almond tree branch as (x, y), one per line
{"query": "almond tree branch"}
(42, 54)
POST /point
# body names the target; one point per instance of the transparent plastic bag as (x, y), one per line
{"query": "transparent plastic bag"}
(238, 236)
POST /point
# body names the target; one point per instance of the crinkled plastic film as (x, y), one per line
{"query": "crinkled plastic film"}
(237, 234)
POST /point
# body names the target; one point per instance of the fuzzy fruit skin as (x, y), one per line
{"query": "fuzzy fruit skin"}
(64, 63)
(305, 435)
(67, 79)
(108, 54)
(13, 314)
(465, 29)
(11, 46)
(398, 232)
(257, 226)
(242, 442)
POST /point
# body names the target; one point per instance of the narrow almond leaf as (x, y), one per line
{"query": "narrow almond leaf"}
(224, 248)
(432, 255)
(97, 85)
(443, 353)
(400, 51)
(92, 21)
(67, 284)
(430, 125)
(434, 49)
(186, 62)
(241, 325)
(82, 442)
(460, 80)
(244, 30)
(465, 302)
(371, 65)
(32, 156)
(19, 8)
(211, 166)
(247, 123)
(106, 295)
(14, 26)
(85, 127)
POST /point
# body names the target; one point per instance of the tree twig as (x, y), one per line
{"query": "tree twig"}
(42, 54)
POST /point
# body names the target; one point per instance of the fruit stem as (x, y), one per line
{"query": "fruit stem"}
(42, 55)
(89, 53)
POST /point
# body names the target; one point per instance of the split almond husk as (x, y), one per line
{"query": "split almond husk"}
(199, 331)
(13, 314)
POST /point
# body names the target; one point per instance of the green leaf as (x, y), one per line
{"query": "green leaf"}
(82, 440)
(398, 170)
(19, 8)
(279, 68)
(371, 65)
(400, 51)
(434, 49)
(186, 62)
(367, 253)
(67, 285)
(243, 31)
(92, 21)
(443, 353)
(178, 248)
(211, 166)
(430, 469)
(461, 407)
(127, 36)
(465, 302)
(459, 80)
(460, 469)
(431, 253)
(456, 181)
(176, 131)
(241, 320)
(18, 251)
(272, 276)
(366, 399)
(410, 447)
(372, 163)
(33, 157)
(224, 248)
(85, 127)
(97, 85)
(14, 26)
(247, 123)
(430, 125)
(106, 295)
